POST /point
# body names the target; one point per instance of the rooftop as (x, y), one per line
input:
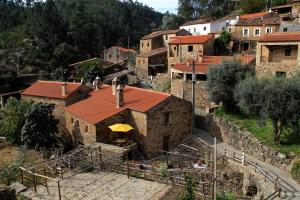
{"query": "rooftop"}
(159, 33)
(154, 52)
(281, 37)
(198, 21)
(121, 49)
(202, 68)
(253, 15)
(197, 39)
(102, 104)
(50, 89)
(259, 21)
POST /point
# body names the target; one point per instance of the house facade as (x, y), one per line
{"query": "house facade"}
(184, 48)
(118, 54)
(278, 54)
(153, 52)
(251, 27)
(204, 27)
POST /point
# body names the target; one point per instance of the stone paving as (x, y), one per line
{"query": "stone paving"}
(100, 185)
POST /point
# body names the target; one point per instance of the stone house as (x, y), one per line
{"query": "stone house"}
(289, 11)
(60, 94)
(184, 48)
(118, 54)
(154, 116)
(289, 27)
(249, 28)
(181, 80)
(278, 54)
(153, 52)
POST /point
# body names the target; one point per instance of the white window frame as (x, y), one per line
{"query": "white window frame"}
(244, 31)
(255, 31)
(270, 28)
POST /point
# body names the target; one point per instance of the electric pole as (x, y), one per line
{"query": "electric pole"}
(193, 96)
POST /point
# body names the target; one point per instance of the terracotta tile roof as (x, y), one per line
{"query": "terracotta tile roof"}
(160, 33)
(259, 22)
(281, 37)
(154, 52)
(125, 50)
(197, 39)
(202, 68)
(50, 89)
(253, 15)
(101, 104)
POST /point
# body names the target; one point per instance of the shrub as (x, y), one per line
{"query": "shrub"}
(296, 171)
(190, 185)
(162, 168)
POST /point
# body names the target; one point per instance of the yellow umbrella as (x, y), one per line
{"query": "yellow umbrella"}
(120, 128)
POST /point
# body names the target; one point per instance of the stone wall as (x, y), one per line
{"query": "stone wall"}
(238, 32)
(290, 26)
(270, 69)
(183, 89)
(241, 140)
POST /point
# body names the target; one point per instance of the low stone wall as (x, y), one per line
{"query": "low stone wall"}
(242, 140)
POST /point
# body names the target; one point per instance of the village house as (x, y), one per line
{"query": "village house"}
(118, 54)
(289, 11)
(184, 48)
(278, 54)
(250, 27)
(206, 26)
(181, 79)
(153, 57)
(87, 112)
(60, 94)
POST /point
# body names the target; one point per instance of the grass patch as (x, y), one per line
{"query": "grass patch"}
(263, 131)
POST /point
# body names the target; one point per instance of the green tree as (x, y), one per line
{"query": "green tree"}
(190, 185)
(40, 126)
(253, 6)
(186, 9)
(222, 80)
(277, 99)
(171, 21)
(13, 119)
(221, 43)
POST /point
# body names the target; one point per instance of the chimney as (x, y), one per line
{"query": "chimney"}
(115, 83)
(97, 83)
(120, 96)
(64, 89)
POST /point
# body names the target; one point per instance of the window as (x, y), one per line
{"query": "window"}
(194, 30)
(142, 44)
(148, 44)
(189, 30)
(166, 37)
(229, 30)
(190, 48)
(246, 32)
(86, 129)
(204, 28)
(109, 56)
(280, 74)
(287, 51)
(285, 29)
(118, 56)
(175, 48)
(72, 120)
(139, 61)
(166, 118)
(257, 32)
(269, 30)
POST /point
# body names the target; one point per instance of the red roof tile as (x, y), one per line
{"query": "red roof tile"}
(198, 39)
(253, 15)
(281, 37)
(202, 68)
(125, 50)
(101, 104)
(50, 89)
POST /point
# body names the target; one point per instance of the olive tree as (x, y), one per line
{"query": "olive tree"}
(221, 82)
(277, 99)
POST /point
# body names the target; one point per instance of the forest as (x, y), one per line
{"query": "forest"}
(48, 35)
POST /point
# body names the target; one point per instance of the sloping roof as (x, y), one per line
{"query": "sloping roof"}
(159, 33)
(281, 37)
(84, 61)
(50, 89)
(253, 15)
(101, 104)
(198, 21)
(125, 50)
(259, 22)
(203, 67)
(154, 52)
(197, 39)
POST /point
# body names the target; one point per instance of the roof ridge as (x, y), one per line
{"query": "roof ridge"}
(47, 81)
(152, 91)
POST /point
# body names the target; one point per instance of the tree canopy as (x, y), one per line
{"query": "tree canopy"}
(274, 98)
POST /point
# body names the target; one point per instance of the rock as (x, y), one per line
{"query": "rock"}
(19, 187)
(281, 156)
